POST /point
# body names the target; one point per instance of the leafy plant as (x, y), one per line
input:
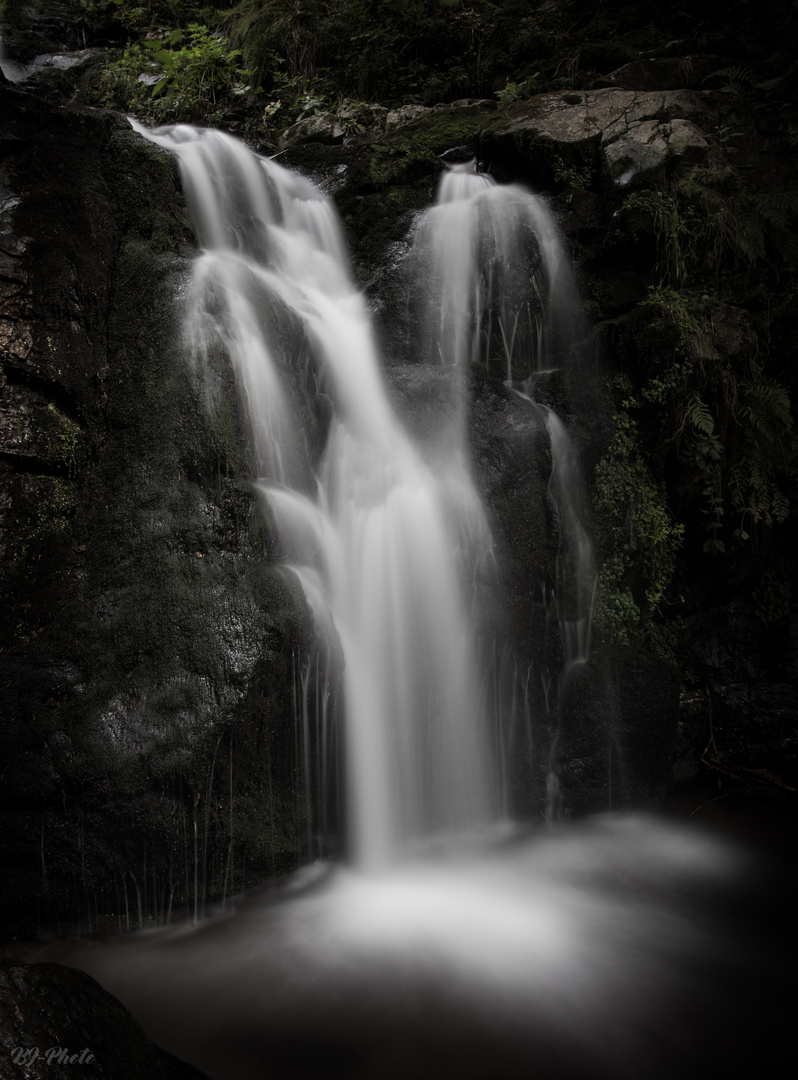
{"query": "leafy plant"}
(401, 51)
(731, 427)
(570, 175)
(200, 71)
(515, 91)
(174, 73)
(766, 454)
(138, 16)
(634, 579)
(726, 423)
(769, 218)
(742, 81)
(674, 227)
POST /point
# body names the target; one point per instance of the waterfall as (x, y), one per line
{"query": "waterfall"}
(375, 535)
(497, 290)
(382, 538)
(12, 70)
(496, 283)
(606, 950)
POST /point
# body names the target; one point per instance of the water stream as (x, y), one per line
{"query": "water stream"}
(371, 530)
(452, 943)
(498, 291)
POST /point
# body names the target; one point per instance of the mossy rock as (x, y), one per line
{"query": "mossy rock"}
(150, 640)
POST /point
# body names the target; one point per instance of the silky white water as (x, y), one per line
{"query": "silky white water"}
(494, 273)
(498, 286)
(608, 951)
(376, 535)
(498, 291)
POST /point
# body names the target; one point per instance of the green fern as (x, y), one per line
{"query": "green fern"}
(781, 506)
(763, 462)
(699, 415)
(767, 410)
(742, 80)
(768, 216)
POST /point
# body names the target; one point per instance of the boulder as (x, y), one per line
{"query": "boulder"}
(321, 128)
(634, 132)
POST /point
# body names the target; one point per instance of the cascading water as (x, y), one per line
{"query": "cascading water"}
(372, 539)
(494, 270)
(497, 290)
(594, 952)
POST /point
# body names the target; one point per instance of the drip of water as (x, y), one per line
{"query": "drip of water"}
(372, 534)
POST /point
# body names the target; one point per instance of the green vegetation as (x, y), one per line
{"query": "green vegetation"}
(62, 441)
(307, 56)
(394, 51)
(703, 430)
(44, 506)
(711, 417)
(772, 596)
(646, 540)
(413, 151)
(174, 75)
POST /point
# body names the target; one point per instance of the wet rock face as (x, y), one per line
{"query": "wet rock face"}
(34, 27)
(618, 731)
(148, 640)
(634, 132)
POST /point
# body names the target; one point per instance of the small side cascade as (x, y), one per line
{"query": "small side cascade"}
(496, 287)
(575, 582)
(493, 271)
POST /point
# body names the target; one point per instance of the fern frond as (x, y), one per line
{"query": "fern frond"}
(749, 236)
(699, 415)
(786, 244)
(768, 411)
(781, 506)
(741, 79)
(706, 182)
